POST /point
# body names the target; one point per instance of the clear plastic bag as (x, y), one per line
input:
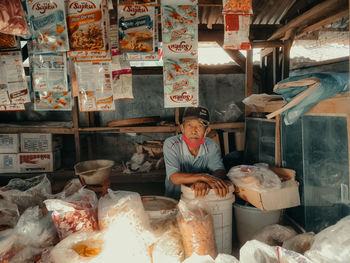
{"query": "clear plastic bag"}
(228, 114)
(75, 213)
(8, 213)
(255, 101)
(197, 229)
(12, 18)
(35, 230)
(257, 178)
(300, 243)
(288, 256)
(27, 192)
(332, 244)
(257, 252)
(8, 246)
(26, 255)
(79, 248)
(69, 189)
(275, 235)
(168, 247)
(126, 225)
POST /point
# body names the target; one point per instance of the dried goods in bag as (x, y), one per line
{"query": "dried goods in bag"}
(136, 28)
(52, 100)
(197, 229)
(94, 84)
(77, 213)
(237, 6)
(237, 32)
(86, 26)
(47, 20)
(12, 19)
(12, 79)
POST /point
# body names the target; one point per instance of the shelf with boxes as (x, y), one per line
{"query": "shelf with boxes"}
(29, 152)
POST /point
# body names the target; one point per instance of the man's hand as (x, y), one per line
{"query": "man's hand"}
(200, 189)
(220, 187)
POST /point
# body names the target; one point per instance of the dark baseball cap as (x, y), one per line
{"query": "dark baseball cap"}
(196, 113)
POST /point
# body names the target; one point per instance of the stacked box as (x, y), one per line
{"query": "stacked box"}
(9, 147)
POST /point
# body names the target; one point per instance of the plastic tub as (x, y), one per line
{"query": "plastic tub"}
(159, 207)
(221, 210)
(249, 220)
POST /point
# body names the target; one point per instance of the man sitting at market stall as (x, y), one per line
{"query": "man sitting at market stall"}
(193, 159)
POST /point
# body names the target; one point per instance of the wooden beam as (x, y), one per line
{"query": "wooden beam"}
(75, 113)
(338, 15)
(286, 58)
(237, 56)
(275, 66)
(249, 74)
(265, 52)
(278, 161)
(267, 44)
(311, 16)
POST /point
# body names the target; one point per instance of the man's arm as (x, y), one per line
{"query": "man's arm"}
(220, 173)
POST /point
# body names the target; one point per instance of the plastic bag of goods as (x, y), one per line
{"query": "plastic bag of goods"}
(332, 244)
(197, 229)
(288, 256)
(27, 192)
(274, 235)
(12, 18)
(78, 248)
(258, 178)
(126, 225)
(69, 189)
(75, 213)
(8, 213)
(300, 243)
(257, 252)
(168, 246)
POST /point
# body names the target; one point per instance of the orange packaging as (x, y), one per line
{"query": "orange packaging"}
(86, 28)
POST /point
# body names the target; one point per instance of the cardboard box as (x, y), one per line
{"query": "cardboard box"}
(8, 163)
(39, 162)
(287, 196)
(9, 143)
(39, 142)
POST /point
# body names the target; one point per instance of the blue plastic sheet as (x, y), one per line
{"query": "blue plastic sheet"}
(330, 85)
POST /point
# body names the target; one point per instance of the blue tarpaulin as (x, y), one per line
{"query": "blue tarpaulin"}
(330, 84)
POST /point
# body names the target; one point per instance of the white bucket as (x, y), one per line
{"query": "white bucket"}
(159, 207)
(249, 220)
(221, 210)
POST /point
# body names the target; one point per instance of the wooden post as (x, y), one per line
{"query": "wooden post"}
(276, 69)
(278, 161)
(248, 77)
(286, 58)
(76, 129)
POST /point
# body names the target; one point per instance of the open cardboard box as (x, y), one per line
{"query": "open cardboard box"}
(287, 196)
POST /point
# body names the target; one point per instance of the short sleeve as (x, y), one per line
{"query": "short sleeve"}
(171, 158)
(214, 158)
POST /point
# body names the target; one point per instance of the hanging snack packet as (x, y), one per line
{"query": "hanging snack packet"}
(12, 77)
(236, 32)
(136, 28)
(122, 78)
(94, 85)
(48, 24)
(86, 28)
(12, 19)
(180, 82)
(49, 71)
(9, 42)
(237, 6)
(180, 30)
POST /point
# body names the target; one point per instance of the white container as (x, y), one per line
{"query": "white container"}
(8, 163)
(159, 207)
(39, 162)
(250, 220)
(39, 142)
(221, 210)
(9, 143)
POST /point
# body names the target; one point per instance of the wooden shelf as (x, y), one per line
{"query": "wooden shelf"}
(135, 129)
(340, 104)
(37, 130)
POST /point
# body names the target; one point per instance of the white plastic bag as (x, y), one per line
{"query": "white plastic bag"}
(257, 252)
(288, 256)
(27, 192)
(300, 243)
(197, 229)
(332, 244)
(127, 230)
(257, 178)
(8, 213)
(168, 247)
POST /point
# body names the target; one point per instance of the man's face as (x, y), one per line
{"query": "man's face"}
(194, 130)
